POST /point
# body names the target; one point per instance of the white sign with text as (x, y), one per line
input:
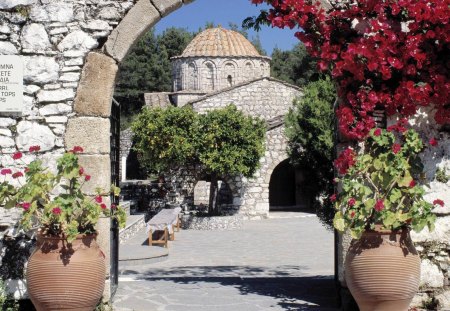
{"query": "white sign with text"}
(11, 83)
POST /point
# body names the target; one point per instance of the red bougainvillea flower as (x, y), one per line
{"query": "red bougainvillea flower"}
(87, 177)
(103, 206)
(379, 205)
(17, 174)
(56, 211)
(351, 202)
(438, 202)
(412, 183)
(333, 197)
(76, 149)
(98, 199)
(396, 148)
(17, 155)
(345, 160)
(433, 142)
(6, 171)
(25, 206)
(81, 171)
(34, 148)
(377, 132)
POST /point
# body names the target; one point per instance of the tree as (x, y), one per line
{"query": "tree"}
(309, 128)
(294, 66)
(165, 138)
(223, 142)
(230, 144)
(147, 68)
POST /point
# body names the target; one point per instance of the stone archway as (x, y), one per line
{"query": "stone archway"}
(282, 186)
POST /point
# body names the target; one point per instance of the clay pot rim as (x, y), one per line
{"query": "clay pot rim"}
(379, 230)
(80, 236)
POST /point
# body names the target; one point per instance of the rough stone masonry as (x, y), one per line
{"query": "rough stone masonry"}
(71, 50)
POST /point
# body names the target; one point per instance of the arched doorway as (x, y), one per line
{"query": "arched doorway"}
(282, 187)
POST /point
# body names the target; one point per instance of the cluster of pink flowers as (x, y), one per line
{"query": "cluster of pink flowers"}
(389, 54)
(345, 160)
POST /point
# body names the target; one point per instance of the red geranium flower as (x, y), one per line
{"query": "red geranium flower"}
(17, 174)
(396, 148)
(103, 206)
(81, 171)
(98, 199)
(17, 155)
(433, 142)
(87, 177)
(56, 211)
(352, 214)
(6, 171)
(26, 206)
(34, 148)
(379, 206)
(345, 160)
(438, 202)
(377, 132)
(333, 197)
(412, 184)
(76, 149)
(351, 202)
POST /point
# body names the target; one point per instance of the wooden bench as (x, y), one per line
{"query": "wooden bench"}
(165, 223)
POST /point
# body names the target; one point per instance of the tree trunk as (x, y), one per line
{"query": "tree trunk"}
(212, 207)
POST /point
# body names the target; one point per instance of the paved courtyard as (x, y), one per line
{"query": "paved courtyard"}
(282, 263)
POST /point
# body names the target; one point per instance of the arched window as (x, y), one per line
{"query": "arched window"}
(209, 77)
(192, 77)
(263, 69)
(249, 70)
(229, 74)
(230, 80)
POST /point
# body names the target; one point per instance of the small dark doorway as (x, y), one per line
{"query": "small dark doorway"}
(282, 186)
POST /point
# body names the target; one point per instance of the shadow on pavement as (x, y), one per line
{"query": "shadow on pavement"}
(292, 292)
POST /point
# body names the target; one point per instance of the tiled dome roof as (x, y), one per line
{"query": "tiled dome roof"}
(220, 42)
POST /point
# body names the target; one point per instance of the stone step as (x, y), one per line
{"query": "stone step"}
(132, 255)
(134, 224)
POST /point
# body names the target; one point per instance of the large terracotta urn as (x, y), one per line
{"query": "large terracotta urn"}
(62, 276)
(382, 270)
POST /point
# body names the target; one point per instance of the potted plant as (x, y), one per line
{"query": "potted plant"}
(381, 199)
(67, 268)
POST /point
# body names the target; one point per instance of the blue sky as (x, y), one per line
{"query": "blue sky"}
(222, 12)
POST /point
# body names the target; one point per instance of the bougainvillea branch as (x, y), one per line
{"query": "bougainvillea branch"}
(391, 54)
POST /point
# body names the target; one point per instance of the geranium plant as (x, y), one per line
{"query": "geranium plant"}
(55, 202)
(382, 184)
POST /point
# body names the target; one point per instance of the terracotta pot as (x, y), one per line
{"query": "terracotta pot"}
(62, 276)
(382, 270)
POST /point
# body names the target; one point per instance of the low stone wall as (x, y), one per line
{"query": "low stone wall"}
(212, 223)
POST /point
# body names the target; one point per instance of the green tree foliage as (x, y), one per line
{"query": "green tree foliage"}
(295, 66)
(165, 138)
(147, 68)
(224, 142)
(309, 128)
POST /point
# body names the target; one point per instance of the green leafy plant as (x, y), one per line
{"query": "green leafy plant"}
(441, 176)
(382, 184)
(55, 202)
(222, 142)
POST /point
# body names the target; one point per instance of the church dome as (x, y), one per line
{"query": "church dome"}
(220, 42)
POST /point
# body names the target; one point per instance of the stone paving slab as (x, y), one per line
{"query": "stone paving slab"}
(273, 264)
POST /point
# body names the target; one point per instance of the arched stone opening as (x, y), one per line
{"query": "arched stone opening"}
(282, 187)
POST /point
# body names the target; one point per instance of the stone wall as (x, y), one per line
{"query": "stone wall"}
(70, 50)
(192, 73)
(266, 98)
